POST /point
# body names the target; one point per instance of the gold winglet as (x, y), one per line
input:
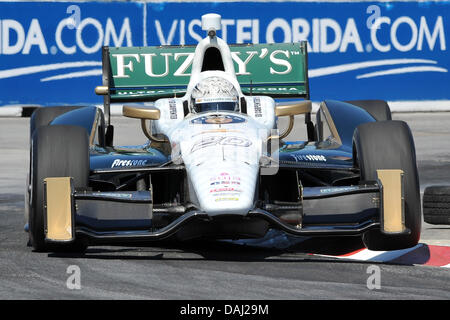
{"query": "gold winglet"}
(149, 113)
(392, 201)
(58, 209)
(293, 109)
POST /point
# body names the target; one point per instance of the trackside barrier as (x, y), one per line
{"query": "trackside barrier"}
(50, 52)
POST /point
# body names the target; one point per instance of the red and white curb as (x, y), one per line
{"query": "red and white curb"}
(422, 254)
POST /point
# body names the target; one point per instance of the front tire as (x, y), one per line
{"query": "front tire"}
(56, 151)
(390, 145)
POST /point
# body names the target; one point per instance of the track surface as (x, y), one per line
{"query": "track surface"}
(280, 268)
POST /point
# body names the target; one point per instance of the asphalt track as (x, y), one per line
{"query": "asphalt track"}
(277, 267)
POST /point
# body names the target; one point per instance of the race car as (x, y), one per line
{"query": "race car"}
(216, 164)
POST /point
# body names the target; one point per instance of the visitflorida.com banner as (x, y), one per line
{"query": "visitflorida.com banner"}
(50, 52)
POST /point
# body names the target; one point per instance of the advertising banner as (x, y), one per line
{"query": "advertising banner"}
(50, 52)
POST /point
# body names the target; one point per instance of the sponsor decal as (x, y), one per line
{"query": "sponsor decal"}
(309, 157)
(257, 104)
(225, 187)
(215, 99)
(224, 182)
(218, 119)
(224, 190)
(226, 199)
(173, 109)
(337, 189)
(179, 64)
(148, 92)
(209, 141)
(128, 163)
(225, 176)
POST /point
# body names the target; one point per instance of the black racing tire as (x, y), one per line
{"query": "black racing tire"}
(379, 109)
(42, 116)
(390, 145)
(436, 205)
(57, 151)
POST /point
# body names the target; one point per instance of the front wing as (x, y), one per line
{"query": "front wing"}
(104, 217)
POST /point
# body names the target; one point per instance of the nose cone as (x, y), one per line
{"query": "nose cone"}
(221, 159)
(225, 187)
(222, 165)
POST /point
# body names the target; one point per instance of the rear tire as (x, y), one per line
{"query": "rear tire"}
(436, 205)
(378, 109)
(57, 151)
(390, 145)
(42, 116)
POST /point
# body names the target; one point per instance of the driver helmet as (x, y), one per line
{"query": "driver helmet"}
(215, 94)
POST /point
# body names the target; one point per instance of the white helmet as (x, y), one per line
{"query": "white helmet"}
(214, 94)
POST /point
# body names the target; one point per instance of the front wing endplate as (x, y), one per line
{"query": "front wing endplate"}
(392, 204)
(58, 216)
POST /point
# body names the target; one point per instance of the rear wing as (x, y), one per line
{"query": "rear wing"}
(133, 74)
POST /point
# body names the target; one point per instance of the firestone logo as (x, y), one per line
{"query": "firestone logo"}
(128, 163)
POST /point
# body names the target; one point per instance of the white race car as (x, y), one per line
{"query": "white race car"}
(216, 164)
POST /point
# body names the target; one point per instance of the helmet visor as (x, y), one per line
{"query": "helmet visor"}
(202, 105)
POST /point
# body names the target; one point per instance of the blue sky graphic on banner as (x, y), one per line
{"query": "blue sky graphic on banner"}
(391, 51)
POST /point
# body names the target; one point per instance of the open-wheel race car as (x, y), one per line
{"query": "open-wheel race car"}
(215, 164)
